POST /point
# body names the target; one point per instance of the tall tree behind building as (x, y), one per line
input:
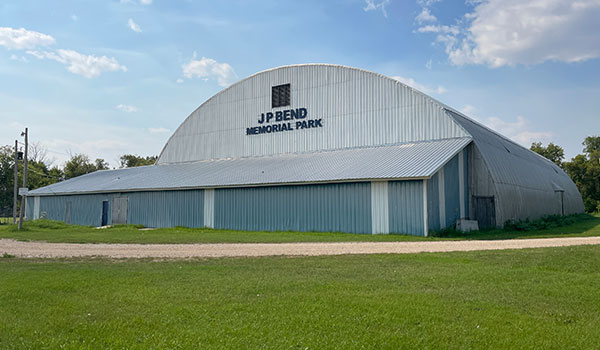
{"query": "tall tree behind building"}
(584, 170)
(552, 152)
(80, 164)
(132, 160)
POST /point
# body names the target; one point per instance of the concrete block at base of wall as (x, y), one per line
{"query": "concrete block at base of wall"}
(464, 225)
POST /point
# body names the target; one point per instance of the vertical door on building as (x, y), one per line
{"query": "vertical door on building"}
(104, 220)
(485, 211)
(119, 211)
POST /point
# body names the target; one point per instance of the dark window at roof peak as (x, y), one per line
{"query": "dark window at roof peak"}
(280, 96)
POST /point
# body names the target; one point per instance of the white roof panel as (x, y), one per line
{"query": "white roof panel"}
(401, 161)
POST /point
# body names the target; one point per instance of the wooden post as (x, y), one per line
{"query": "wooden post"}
(24, 198)
(15, 184)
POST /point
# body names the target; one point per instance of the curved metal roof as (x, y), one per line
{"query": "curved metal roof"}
(358, 108)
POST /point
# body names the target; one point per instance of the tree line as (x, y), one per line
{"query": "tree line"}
(584, 169)
(40, 171)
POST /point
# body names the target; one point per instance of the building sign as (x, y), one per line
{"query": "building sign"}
(286, 120)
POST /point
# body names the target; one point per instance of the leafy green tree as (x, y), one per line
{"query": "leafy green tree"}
(552, 152)
(6, 180)
(38, 175)
(80, 164)
(584, 169)
(131, 160)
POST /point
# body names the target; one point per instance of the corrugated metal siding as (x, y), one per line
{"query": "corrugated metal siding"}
(380, 217)
(433, 204)
(451, 194)
(151, 209)
(166, 208)
(85, 209)
(413, 160)
(524, 182)
(358, 108)
(466, 180)
(327, 207)
(406, 207)
(451, 187)
(29, 208)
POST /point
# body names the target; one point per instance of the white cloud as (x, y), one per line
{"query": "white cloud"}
(74, 18)
(88, 66)
(428, 64)
(468, 110)
(427, 3)
(18, 58)
(425, 16)
(142, 2)
(179, 81)
(371, 6)
(438, 29)
(509, 32)
(519, 130)
(134, 26)
(126, 108)
(22, 38)
(207, 68)
(158, 130)
(412, 83)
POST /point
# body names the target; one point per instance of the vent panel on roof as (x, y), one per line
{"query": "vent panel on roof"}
(280, 96)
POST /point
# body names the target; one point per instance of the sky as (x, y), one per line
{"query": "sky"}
(114, 77)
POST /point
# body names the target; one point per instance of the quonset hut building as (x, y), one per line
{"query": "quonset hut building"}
(320, 147)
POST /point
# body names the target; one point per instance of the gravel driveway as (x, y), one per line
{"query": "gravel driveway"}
(60, 250)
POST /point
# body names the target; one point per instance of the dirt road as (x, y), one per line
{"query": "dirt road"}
(59, 250)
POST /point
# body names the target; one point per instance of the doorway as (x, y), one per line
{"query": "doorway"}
(119, 211)
(104, 220)
(485, 211)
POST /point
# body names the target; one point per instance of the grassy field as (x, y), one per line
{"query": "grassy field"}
(524, 299)
(45, 230)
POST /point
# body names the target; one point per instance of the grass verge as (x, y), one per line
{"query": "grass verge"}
(521, 299)
(54, 231)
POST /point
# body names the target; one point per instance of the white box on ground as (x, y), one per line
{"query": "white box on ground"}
(464, 225)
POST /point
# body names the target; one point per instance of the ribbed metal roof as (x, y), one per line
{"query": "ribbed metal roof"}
(357, 109)
(400, 161)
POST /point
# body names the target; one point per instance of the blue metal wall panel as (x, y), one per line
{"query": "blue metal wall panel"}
(451, 187)
(466, 180)
(52, 207)
(151, 209)
(433, 205)
(85, 209)
(406, 207)
(29, 208)
(328, 207)
(166, 208)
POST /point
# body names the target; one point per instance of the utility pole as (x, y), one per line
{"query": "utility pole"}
(16, 185)
(24, 197)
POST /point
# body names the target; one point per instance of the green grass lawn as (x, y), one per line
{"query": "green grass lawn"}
(520, 299)
(45, 230)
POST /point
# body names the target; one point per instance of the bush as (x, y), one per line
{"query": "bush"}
(445, 233)
(121, 226)
(47, 224)
(546, 222)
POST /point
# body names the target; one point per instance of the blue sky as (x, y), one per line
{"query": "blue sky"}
(106, 78)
